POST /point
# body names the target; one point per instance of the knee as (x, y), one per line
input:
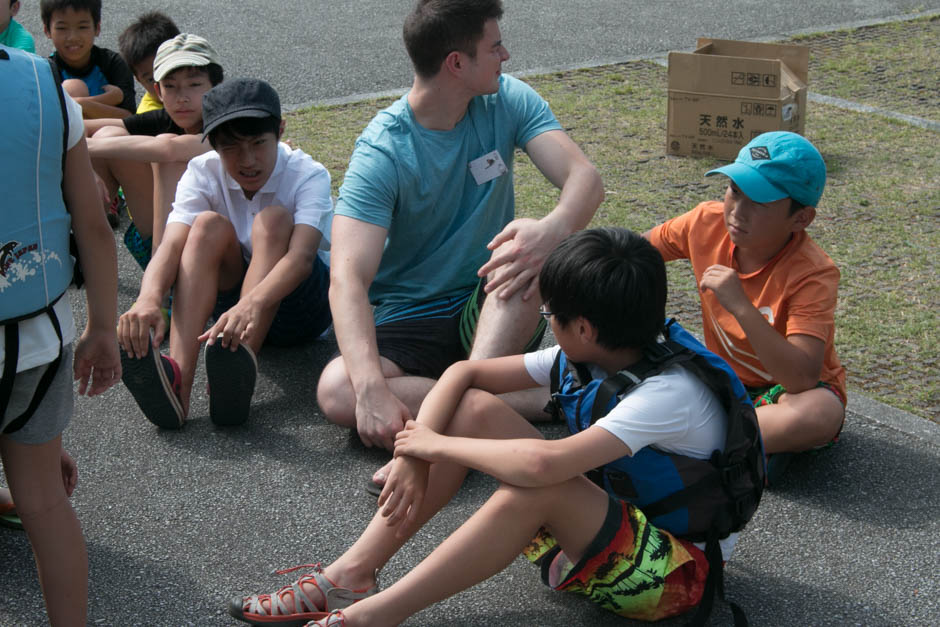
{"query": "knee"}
(75, 87)
(272, 227)
(335, 395)
(210, 232)
(474, 415)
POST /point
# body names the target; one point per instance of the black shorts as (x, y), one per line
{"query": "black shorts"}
(302, 316)
(426, 346)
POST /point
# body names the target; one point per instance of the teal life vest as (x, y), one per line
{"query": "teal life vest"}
(35, 262)
(687, 497)
(694, 499)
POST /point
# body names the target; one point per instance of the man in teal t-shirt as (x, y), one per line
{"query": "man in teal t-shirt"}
(12, 33)
(426, 209)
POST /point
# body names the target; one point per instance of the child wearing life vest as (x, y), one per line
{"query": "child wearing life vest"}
(604, 294)
(49, 188)
(768, 291)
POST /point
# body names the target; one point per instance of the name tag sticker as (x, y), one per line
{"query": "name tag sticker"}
(487, 167)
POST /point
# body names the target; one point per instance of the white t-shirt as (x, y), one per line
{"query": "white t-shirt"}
(298, 183)
(672, 412)
(38, 342)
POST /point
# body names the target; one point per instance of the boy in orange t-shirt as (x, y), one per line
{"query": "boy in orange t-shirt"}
(768, 291)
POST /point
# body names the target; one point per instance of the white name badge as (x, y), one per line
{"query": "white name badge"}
(487, 167)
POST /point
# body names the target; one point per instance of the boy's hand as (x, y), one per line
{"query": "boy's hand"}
(404, 492)
(96, 362)
(235, 326)
(726, 285)
(134, 328)
(417, 440)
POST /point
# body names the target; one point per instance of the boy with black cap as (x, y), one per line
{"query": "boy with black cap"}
(768, 291)
(241, 246)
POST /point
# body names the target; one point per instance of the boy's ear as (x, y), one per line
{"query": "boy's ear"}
(14, 8)
(156, 90)
(803, 218)
(280, 130)
(587, 332)
(98, 29)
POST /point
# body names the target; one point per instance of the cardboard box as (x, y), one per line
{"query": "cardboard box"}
(728, 92)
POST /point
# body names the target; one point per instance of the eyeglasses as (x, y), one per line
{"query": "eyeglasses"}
(545, 313)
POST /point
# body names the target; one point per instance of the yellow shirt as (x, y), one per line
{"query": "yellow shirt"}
(148, 103)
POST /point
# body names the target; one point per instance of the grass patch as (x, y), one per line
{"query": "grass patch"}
(894, 66)
(878, 218)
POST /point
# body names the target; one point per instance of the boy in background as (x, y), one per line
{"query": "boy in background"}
(145, 154)
(240, 246)
(12, 33)
(768, 292)
(97, 78)
(36, 394)
(138, 45)
(604, 293)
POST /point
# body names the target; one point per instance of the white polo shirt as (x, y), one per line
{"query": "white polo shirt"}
(298, 183)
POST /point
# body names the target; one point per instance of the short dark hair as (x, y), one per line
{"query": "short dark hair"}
(213, 70)
(435, 28)
(613, 278)
(244, 128)
(48, 7)
(145, 34)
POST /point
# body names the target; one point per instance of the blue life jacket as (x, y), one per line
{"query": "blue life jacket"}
(690, 498)
(35, 262)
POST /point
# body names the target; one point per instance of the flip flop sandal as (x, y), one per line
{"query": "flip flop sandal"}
(373, 488)
(8, 517)
(291, 606)
(231, 379)
(154, 382)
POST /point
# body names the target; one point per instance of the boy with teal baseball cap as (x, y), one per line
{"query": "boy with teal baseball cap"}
(768, 291)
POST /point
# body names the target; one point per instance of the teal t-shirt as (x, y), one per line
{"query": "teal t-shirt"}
(417, 184)
(15, 36)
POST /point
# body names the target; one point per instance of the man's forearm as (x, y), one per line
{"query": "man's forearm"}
(581, 195)
(355, 334)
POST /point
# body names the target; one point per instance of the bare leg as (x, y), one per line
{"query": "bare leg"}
(479, 415)
(35, 476)
(165, 178)
(573, 511)
(211, 262)
(75, 87)
(337, 399)
(136, 177)
(798, 422)
(270, 237)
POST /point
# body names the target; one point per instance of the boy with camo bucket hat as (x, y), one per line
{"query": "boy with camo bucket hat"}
(145, 154)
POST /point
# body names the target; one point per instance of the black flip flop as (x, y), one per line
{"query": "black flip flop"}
(232, 376)
(153, 381)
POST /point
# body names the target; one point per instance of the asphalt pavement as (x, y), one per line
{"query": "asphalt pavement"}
(178, 522)
(323, 51)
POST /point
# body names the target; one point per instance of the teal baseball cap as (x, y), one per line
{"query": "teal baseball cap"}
(778, 165)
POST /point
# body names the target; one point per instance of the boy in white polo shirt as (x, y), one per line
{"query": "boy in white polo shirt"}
(240, 246)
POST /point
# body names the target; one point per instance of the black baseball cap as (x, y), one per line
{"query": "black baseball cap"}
(238, 98)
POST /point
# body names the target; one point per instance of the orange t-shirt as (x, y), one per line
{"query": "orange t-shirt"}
(796, 291)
